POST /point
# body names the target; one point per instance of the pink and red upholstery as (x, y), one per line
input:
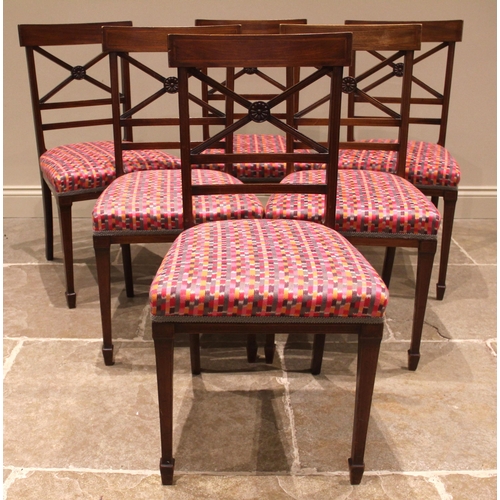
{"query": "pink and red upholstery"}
(367, 202)
(266, 268)
(90, 166)
(260, 143)
(427, 164)
(151, 200)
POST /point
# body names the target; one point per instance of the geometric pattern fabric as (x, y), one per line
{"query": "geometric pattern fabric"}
(427, 164)
(151, 200)
(367, 202)
(91, 165)
(265, 269)
(260, 143)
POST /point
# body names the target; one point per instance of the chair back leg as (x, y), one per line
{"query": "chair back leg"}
(64, 207)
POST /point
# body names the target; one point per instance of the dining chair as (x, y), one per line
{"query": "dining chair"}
(145, 206)
(429, 165)
(263, 85)
(374, 208)
(68, 96)
(261, 275)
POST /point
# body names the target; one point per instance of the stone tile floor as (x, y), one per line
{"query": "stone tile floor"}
(76, 429)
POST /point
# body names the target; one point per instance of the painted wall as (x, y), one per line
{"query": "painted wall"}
(472, 125)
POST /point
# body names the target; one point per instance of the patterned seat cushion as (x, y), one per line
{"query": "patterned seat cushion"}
(262, 269)
(91, 165)
(151, 200)
(427, 164)
(260, 143)
(367, 202)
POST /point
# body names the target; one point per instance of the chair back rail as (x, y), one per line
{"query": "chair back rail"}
(252, 26)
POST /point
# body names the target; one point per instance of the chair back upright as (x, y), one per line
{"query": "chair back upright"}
(438, 38)
(326, 53)
(132, 46)
(402, 41)
(61, 94)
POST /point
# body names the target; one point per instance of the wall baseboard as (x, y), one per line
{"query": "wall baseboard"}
(474, 202)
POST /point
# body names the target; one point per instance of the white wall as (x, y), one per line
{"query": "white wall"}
(472, 127)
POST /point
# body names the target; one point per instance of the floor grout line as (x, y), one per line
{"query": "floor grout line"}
(16, 473)
(288, 407)
(440, 487)
(464, 251)
(139, 339)
(486, 473)
(9, 362)
(489, 343)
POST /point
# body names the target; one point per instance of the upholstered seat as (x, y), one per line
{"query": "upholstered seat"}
(393, 207)
(90, 166)
(261, 269)
(261, 143)
(150, 200)
(427, 164)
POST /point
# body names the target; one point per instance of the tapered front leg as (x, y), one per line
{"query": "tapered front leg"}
(270, 348)
(194, 351)
(426, 252)
(368, 351)
(102, 247)
(317, 355)
(390, 254)
(252, 348)
(163, 336)
(48, 221)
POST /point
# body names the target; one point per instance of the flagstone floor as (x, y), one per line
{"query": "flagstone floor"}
(77, 429)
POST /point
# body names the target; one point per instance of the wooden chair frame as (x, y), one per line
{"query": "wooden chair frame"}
(442, 37)
(123, 44)
(38, 41)
(190, 53)
(406, 39)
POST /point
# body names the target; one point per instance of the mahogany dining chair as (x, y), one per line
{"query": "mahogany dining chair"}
(374, 208)
(429, 165)
(145, 206)
(261, 275)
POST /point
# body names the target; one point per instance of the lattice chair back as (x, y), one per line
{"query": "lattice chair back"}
(260, 84)
(152, 117)
(280, 51)
(42, 43)
(383, 114)
(439, 39)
